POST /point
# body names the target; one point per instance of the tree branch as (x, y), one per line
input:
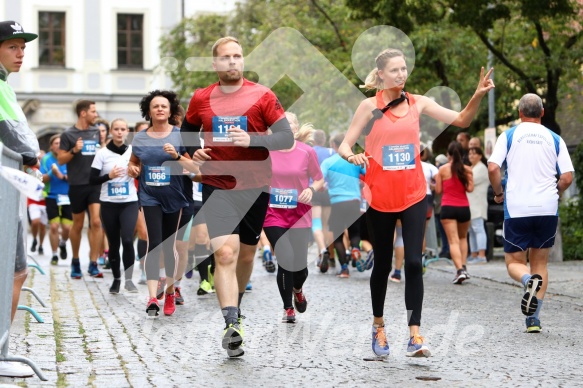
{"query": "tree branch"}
(528, 82)
(541, 39)
(323, 12)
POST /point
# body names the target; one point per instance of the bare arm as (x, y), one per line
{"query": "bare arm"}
(565, 181)
(470, 177)
(459, 119)
(496, 181)
(361, 118)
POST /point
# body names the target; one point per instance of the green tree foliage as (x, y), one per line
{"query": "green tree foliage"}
(571, 214)
(536, 43)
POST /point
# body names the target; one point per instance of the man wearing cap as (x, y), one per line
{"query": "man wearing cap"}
(16, 135)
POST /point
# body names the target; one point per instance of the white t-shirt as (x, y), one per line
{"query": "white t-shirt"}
(533, 155)
(118, 190)
(430, 171)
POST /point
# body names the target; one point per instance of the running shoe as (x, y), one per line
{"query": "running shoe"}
(325, 262)
(204, 288)
(101, 260)
(369, 260)
(300, 301)
(344, 272)
(55, 260)
(417, 348)
(268, 261)
(465, 268)
(131, 287)
(533, 325)
(76, 270)
(41, 250)
(380, 346)
(153, 308)
(459, 277)
(233, 339)
(249, 286)
(178, 296)
(169, 304)
(160, 289)
(357, 260)
(395, 277)
(33, 246)
(94, 271)
(107, 264)
(63, 250)
(289, 316)
(114, 289)
(529, 302)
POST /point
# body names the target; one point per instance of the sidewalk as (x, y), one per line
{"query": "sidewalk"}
(476, 332)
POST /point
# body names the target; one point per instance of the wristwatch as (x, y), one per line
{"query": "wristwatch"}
(178, 157)
(497, 195)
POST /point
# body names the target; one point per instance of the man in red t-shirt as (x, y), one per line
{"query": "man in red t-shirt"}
(235, 168)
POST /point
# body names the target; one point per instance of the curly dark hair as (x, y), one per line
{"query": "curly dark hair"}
(457, 164)
(169, 95)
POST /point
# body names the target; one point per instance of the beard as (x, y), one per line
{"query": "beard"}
(230, 77)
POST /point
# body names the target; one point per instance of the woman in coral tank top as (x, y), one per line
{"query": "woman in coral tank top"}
(395, 184)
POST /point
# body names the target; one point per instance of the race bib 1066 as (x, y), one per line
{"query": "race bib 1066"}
(158, 175)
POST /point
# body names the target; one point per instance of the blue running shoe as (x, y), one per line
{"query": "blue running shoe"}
(380, 346)
(249, 286)
(268, 261)
(101, 260)
(94, 271)
(417, 348)
(369, 260)
(533, 325)
(76, 270)
(529, 302)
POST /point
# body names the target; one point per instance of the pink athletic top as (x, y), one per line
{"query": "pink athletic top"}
(454, 193)
(291, 173)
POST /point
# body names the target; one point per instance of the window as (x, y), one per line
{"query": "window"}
(130, 40)
(51, 27)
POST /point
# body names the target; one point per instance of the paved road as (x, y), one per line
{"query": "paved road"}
(476, 332)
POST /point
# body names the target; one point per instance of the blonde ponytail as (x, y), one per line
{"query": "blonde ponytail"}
(373, 81)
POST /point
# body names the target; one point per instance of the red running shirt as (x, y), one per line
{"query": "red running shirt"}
(254, 107)
(454, 192)
(394, 181)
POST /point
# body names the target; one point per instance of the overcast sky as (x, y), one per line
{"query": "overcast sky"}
(194, 6)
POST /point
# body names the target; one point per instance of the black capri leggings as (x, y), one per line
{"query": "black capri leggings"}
(119, 221)
(162, 228)
(381, 227)
(291, 248)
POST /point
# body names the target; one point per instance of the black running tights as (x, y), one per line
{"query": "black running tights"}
(162, 228)
(381, 227)
(291, 248)
(119, 221)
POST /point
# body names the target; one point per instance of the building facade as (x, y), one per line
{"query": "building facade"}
(101, 50)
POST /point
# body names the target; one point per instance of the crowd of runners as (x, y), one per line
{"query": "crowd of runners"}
(207, 188)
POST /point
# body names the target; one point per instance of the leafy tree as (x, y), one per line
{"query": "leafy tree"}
(537, 42)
